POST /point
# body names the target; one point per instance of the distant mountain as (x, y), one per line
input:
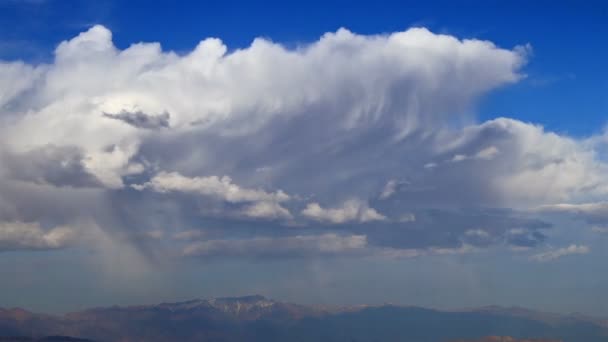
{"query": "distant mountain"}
(506, 339)
(43, 339)
(256, 318)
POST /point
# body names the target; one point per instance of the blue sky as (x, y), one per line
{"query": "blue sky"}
(435, 154)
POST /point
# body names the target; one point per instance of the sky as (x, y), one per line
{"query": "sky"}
(438, 154)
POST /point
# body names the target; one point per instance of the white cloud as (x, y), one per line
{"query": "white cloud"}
(389, 189)
(350, 211)
(336, 118)
(535, 167)
(15, 77)
(561, 252)
(591, 212)
(266, 209)
(576, 208)
(21, 235)
(486, 153)
(221, 188)
(263, 204)
(238, 93)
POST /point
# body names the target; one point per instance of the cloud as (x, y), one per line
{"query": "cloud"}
(598, 208)
(599, 230)
(351, 210)
(54, 165)
(188, 235)
(484, 154)
(264, 204)
(591, 212)
(407, 217)
(213, 186)
(266, 209)
(389, 189)
(16, 78)
(140, 119)
(238, 94)
(366, 125)
(524, 238)
(30, 236)
(561, 252)
(293, 246)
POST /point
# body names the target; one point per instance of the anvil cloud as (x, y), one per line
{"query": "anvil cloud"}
(350, 145)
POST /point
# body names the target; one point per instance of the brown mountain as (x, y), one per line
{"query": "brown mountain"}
(256, 318)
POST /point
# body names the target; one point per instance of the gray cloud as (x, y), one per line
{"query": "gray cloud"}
(30, 236)
(140, 119)
(593, 212)
(293, 246)
(54, 165)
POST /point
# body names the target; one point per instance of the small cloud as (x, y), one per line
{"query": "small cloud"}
(351, 211)
(459, 157)
(561, 252)
(599, 230)
(266, 210)
(408, 217)
(259, 203)
(487, 153)
(212, 186)
(156, 234)
(592, 212)
(292, 246)
(389, 189)
(188, 235)
(477, 233)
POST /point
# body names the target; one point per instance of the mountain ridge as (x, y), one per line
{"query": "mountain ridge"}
(257, 318)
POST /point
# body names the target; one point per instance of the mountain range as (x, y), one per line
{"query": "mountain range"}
(256, 318)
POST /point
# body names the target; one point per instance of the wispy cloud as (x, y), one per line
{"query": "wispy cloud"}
(560, 252)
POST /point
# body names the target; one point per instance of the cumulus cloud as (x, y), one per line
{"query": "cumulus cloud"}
(266, 209)
(351, 210)
(15, 78)
(221, 188)
(239, 93)
(30, 236)
(257, 132)
(560, 252)
(263, 204)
